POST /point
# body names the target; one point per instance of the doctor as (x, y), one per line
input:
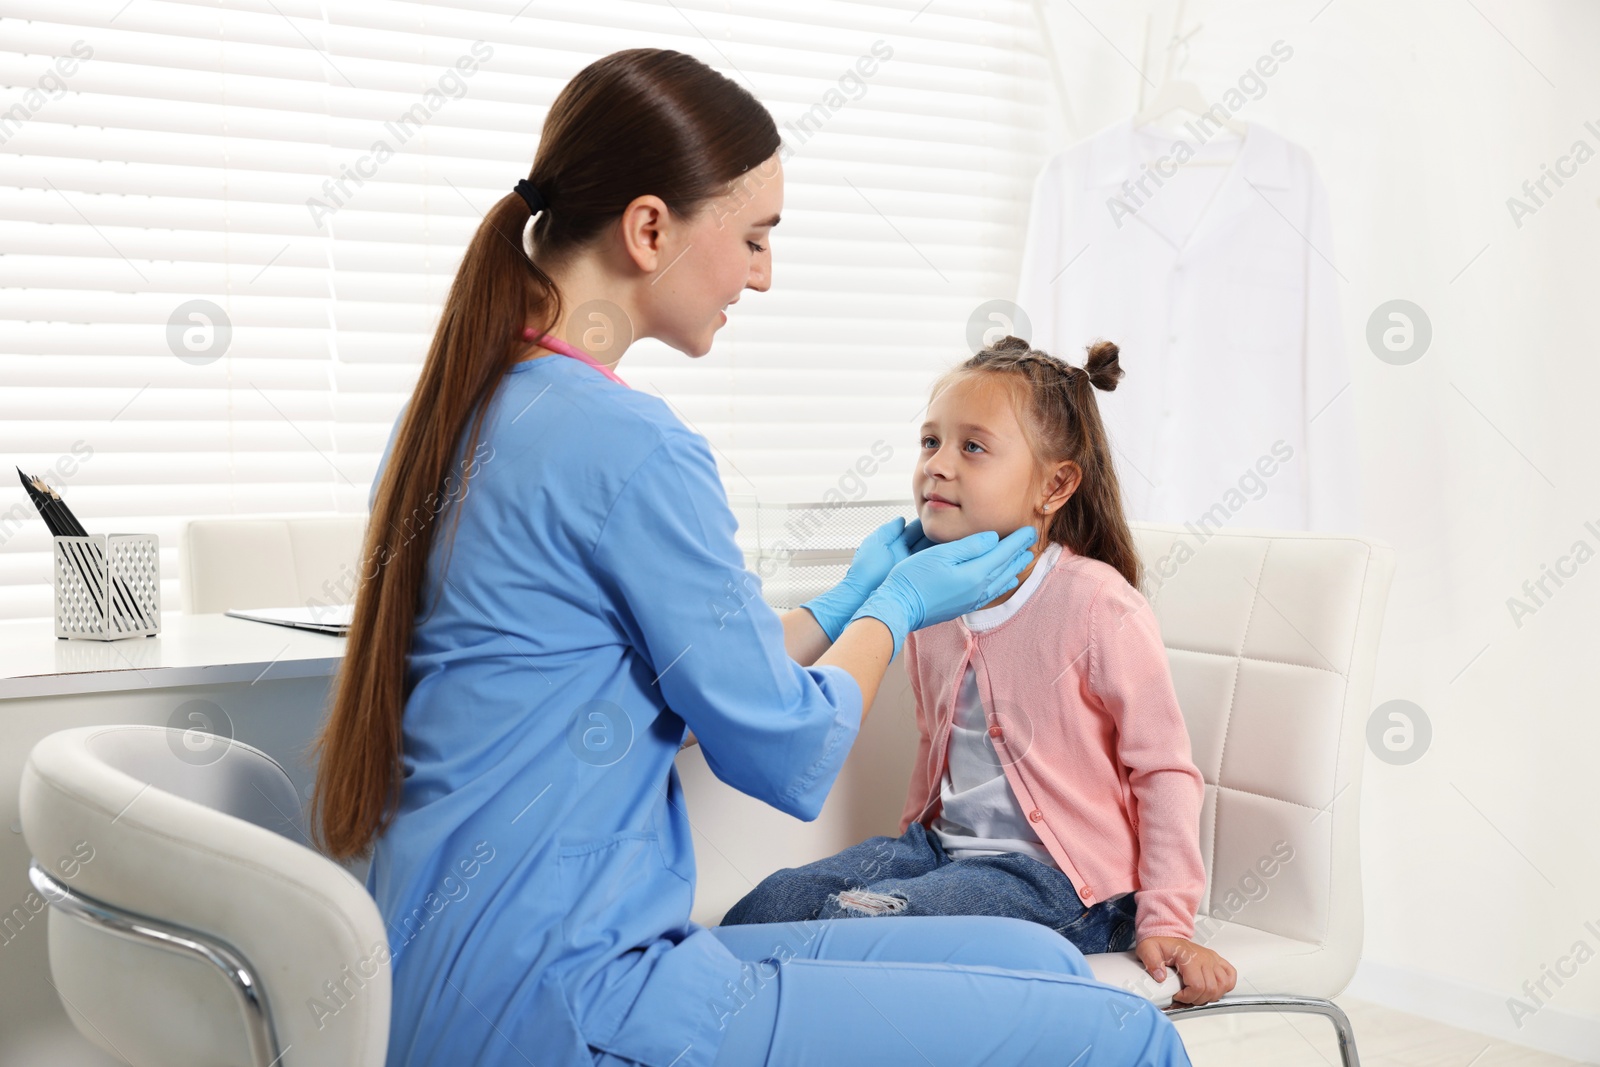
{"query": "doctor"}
(551, 598)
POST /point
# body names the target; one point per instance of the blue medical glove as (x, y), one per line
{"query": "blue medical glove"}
(874, 559)
(943, 581)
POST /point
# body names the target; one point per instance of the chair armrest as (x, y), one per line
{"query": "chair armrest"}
(1123, 970)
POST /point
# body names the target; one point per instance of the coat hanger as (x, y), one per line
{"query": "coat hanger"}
(1176, 95)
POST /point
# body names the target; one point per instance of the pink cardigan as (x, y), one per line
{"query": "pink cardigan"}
(1081, 707)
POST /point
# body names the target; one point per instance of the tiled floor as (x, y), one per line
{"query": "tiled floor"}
(1384, 1038)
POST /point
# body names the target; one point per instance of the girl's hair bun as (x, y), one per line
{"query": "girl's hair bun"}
(1102, 367)
(1009, 343)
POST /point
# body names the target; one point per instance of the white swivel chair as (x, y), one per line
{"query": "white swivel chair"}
(188, 923)
(270, 563)
(1271, 639)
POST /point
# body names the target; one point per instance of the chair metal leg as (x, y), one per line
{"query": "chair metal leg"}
(247, 988)
(1280, 1002)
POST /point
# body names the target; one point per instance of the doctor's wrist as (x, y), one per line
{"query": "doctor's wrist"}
(834, 609)
(889, 614)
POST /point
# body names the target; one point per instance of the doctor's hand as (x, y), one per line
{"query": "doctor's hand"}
(1204, 974)
(942, 581)
(877, 556)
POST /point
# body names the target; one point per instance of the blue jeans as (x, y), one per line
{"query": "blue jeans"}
(913, 875)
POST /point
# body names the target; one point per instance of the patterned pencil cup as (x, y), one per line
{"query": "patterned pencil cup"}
(108, 586)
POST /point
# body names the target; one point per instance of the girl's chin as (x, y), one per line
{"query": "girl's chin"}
(943, 524)
(951, 524)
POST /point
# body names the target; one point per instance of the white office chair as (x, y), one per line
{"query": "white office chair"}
(188, 923)
(1271, 638)
(270, 563)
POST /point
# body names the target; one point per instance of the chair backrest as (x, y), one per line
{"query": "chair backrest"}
(1272, 637)
(270, 563)
(205, 834)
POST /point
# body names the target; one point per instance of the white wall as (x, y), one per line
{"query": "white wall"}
(1481, 858)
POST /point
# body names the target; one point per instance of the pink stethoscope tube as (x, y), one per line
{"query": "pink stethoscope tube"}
(556, 344)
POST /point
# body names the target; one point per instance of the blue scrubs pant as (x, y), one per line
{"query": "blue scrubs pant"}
(920, 990)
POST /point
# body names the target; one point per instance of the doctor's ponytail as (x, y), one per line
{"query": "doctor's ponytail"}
(644, 121)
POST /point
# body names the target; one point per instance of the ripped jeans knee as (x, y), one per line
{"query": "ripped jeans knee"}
(866, 903)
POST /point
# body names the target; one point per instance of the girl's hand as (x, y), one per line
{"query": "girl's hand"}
(1204, 974)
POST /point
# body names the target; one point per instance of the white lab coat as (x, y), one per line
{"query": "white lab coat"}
(1236, 408)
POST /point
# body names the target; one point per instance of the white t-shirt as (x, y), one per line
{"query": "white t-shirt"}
(979, 813)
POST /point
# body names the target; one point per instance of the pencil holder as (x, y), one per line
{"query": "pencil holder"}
(802, 549)
(108, 586)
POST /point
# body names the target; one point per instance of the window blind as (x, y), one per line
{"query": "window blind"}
(216, 290)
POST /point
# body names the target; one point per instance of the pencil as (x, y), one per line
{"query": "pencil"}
(41, 501)
(69, 522)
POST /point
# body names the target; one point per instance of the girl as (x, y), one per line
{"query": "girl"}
(1053, 779)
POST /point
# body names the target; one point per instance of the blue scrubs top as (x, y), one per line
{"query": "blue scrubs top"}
(538, 877)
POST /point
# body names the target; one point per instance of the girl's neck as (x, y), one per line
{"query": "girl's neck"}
(1037, 550)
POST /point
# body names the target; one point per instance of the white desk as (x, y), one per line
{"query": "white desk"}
(264, 685)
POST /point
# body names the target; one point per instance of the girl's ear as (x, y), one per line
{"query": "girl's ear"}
(1063, 484)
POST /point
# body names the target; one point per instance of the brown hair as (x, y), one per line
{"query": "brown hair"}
(1061, 421)
(636, 122)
